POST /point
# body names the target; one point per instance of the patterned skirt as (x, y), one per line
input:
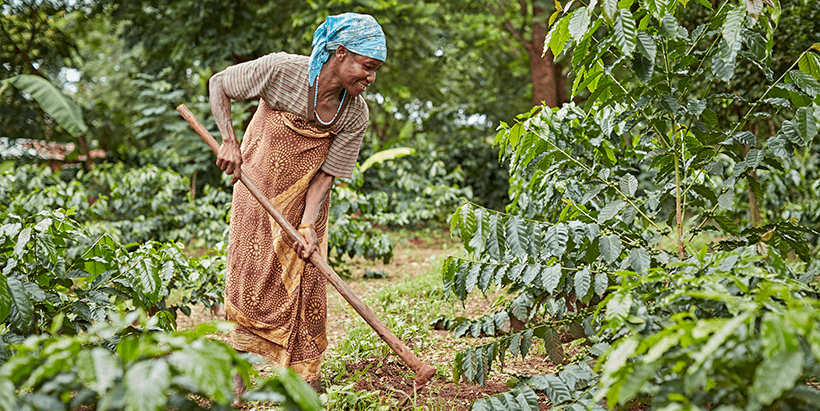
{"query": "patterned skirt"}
(277, 300)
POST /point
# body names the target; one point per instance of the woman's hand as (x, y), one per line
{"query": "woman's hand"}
(229, 159)
(311, 239)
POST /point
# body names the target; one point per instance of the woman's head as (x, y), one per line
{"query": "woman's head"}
(357, 33)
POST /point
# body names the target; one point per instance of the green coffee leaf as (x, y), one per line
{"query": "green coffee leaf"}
(5, 299)
(496, 241)
(556, 239)
(601, 283)
(610, 210)
(776, 375)
(629, 185)
(145, 385)
(810, 64)
(805, 123)
(476, 243)
(807, 83)
(578, 23)
(22, 317)
(726, 224)
(610, 247)
(625, 33)
(639, 260)
(472, 277)
(733, 25)
(582, 281)
(551, 277)
(516, 232)
(609, 9)
(726, 200)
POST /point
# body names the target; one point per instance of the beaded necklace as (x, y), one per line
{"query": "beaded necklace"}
(315, 98)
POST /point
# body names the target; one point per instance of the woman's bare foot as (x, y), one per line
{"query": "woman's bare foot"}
(317, 386)
(239, 388)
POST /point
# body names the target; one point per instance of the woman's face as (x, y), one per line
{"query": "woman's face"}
(357, 72)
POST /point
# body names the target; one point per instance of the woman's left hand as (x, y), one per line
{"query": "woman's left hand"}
(312, 240)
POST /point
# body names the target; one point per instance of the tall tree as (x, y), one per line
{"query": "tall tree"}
(527, 22)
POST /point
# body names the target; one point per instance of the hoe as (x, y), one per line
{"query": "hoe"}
(422, 370)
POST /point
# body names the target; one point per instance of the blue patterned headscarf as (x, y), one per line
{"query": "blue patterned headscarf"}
(359, 33)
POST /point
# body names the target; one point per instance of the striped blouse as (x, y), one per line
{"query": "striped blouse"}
(281, 79)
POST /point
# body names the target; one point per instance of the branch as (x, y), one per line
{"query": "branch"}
(22, 53)
(508, 24)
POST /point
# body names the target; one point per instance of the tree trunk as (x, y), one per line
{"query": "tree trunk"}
(546, 86)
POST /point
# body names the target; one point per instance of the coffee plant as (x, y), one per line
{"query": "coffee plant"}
(122, 365)
(635, 223)
(39, 281)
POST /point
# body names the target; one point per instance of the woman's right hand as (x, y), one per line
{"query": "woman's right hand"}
(229, 159)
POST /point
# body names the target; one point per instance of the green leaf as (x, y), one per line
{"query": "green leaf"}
(147, 278)
(723, 62)
(5, 299)
(145, 385)
(472, 277)
(486, 278)
(646, 45)
(478, 240)
(515, 230)
(754, 157)
(208, 364)
(805, 123)
(726, 224)
(733, 25)
(495, 237)
(582, 282)
(460, 280)
(551, 277)
(669, 27)
(639, 260)
(557, 37)
(610, 210)
(467, 222)
(53, 101)
(601, 283)
(578, 23)
(23, 314)
(385, 155)
(22, 242)
(726, 200)
(557, 391)
(629, 185)
(556, 239)
(609, 9)
(793, 134)
(552, 344)
(526, 342)
(8, 399)
(806, 82)
(531, 273)
(610, 247)
(810, 64)
(625, 33)
(99, 368)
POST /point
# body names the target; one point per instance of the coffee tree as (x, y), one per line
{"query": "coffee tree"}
(629, 226)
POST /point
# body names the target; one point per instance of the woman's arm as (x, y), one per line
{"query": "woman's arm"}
(229, 157)
(317, 194)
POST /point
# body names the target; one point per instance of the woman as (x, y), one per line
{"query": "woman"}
(306, 131)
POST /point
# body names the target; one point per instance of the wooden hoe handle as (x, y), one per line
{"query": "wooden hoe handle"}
(422, 370)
